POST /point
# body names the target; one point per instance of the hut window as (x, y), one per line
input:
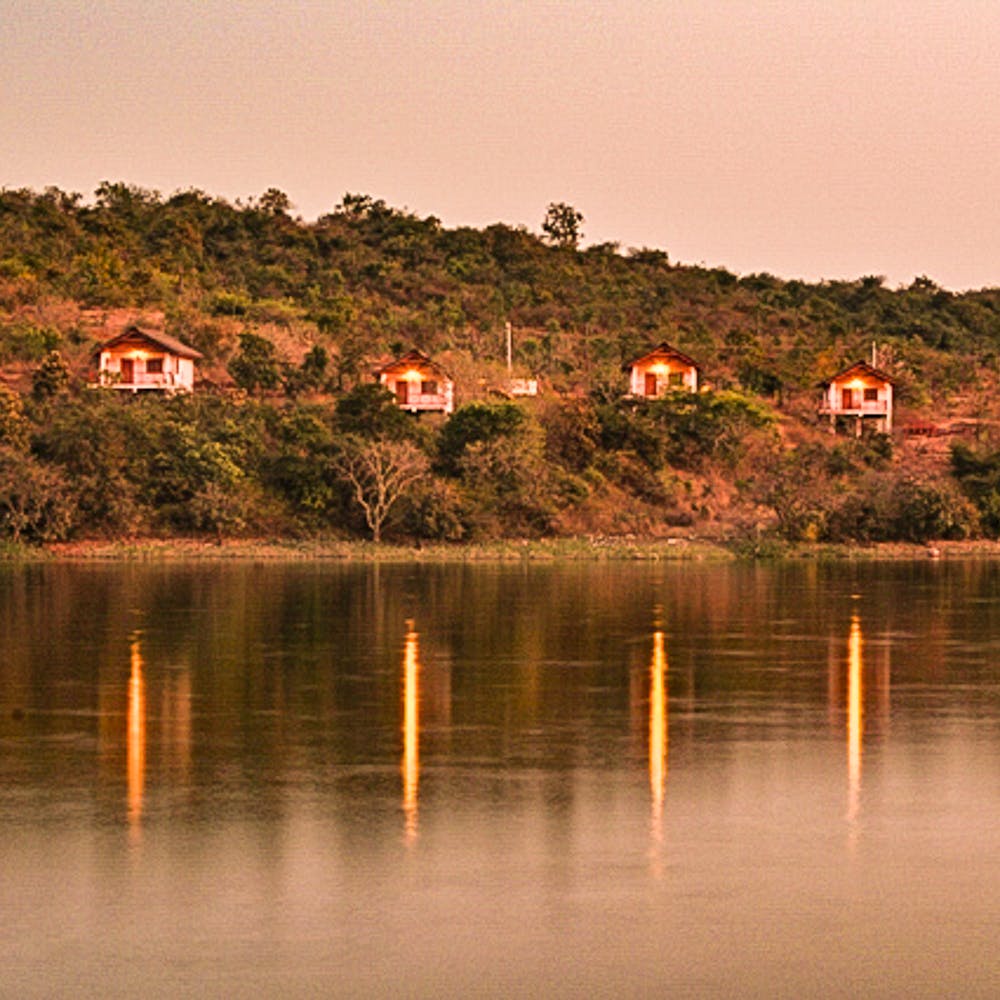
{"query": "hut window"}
(871, 395)
(154, 366)
(675, 379)
(428, 388)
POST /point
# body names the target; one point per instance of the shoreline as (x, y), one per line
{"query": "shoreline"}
(544, 550)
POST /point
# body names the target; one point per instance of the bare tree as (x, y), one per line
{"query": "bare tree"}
(379, 473)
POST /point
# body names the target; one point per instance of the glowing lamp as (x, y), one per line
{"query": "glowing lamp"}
(660, 368)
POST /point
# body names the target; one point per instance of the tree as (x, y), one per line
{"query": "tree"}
(256, 364)
(371, 411)
(476, 422)
(310, 375)
(14, 426)
(274, 202)
(51, 377)
(35, 502)
(379, 473)
(562, 225)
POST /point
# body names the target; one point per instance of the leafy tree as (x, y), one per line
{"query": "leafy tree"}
(297, 467)
(509, 484)
(89, 439)
(476, 422)
(924, 510)
(562, 225)
(14, 426)
(978, 475)
(572, 433)
(371, 411)
(51, 377)
(434, 509)
(255, 365)
(310, 375)
(274, 202)
(35, 501)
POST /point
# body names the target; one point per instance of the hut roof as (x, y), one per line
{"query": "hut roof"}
(861, 367)
(662, 350)
(411, 359)
(162, 340)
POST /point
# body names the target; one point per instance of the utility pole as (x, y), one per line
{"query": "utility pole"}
(510, 347)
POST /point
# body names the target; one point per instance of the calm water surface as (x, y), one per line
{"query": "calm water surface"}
(579, 781)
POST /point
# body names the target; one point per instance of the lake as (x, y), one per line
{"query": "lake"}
(572, 780)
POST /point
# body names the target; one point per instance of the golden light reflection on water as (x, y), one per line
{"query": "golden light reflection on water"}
(855, 718)
(658, 727)
(411, 730)
(136, 738)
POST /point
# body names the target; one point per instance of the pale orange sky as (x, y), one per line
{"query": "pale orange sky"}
(810, 139)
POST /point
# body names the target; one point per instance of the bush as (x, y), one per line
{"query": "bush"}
(36, 504)
(256, 365)
(51, 377)
(371, 411)
(435, 511)
(476, 423)
(886, 509)
(21, 341)
(978, 475)
(14, 426)
(923, 510)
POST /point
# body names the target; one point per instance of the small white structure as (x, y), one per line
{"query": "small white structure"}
(523, 386)
(860, 393)
(146, 361)
(663, 369)
(419, 384)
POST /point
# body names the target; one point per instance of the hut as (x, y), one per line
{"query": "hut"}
(419, 384)
(663, 369)
(859, 396)
(146, 361)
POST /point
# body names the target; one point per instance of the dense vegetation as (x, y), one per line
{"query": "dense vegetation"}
(286, 435)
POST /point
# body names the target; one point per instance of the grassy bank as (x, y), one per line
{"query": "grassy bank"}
(187, 549)
(550, 550)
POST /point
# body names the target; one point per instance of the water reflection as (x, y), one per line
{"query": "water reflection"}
(136, 738)
(411, 730)
(855, 719)
(264, 732)
(658, 732)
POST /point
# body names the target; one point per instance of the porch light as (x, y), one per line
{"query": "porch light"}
(412, 376)
(660, 368)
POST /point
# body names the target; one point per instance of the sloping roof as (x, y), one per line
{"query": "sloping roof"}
(410, 360)
(162, 340)
(663, 350)
(860, 367)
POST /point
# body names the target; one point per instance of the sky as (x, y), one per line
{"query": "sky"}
(814, 139)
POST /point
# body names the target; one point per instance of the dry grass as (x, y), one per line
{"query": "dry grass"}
(568, 549)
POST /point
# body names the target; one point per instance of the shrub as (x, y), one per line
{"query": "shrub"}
(35, 501)
(51, 377)
(434, 510)
(255, 365)
(923, 510)
(476, 423)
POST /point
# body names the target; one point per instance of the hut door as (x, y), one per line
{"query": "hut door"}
(650, 384)
(848, 400)
(128, 370)
(402, 392)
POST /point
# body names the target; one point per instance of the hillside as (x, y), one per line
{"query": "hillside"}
(316, 304)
